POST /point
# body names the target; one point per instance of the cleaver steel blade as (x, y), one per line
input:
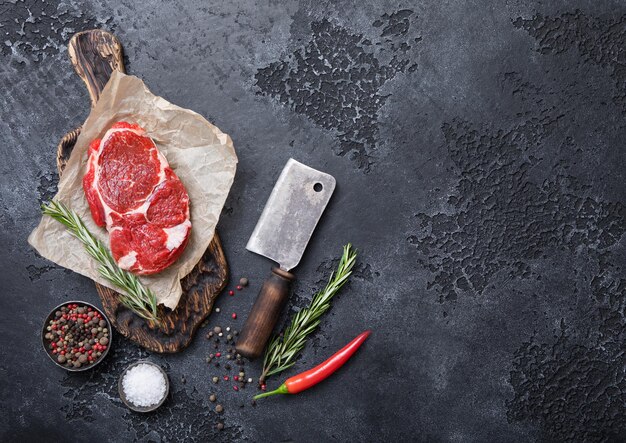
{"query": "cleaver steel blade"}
(291, 213)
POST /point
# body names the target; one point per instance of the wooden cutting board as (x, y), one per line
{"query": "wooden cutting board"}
(94, 55)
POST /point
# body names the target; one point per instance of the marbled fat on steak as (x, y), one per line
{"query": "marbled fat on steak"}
(132, 190)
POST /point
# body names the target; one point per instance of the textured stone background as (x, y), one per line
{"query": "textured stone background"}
(478, 148)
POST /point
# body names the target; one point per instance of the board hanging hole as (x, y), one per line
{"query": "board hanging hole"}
(317, 187)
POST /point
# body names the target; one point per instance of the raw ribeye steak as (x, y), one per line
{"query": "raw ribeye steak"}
(132, 190)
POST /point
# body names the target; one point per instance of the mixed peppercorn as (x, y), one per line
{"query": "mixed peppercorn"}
(77, 336)
(225, 358)
(233, 360)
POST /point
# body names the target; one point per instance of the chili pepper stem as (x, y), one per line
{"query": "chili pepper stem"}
(282, 389)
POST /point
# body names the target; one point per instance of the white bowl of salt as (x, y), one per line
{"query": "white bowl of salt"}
(143, 386)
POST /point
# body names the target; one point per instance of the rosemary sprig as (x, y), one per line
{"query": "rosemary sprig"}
(136, 296)
(283, 349)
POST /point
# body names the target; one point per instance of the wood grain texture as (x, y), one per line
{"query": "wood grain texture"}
(95, 54)
(264, 314)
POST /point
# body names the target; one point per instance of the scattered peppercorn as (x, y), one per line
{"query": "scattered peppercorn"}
(239, 287)
(220, 426)
(212, 398)
(219, 408)
(231, 292)
(243, 281)
(234, 315)
(216, 379)
(217, 309)
(217, 329)
(236, 388)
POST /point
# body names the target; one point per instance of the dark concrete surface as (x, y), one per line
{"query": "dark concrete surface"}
(479, 152)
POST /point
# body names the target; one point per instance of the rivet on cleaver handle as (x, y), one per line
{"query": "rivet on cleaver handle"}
(282, 234)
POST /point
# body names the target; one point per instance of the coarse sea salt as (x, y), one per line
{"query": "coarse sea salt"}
(144, 385)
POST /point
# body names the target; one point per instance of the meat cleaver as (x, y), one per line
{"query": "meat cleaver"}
(282, 233)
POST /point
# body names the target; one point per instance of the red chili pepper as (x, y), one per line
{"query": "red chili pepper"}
(305, 380)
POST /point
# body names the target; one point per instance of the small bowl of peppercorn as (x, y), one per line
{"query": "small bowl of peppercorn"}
(76, 336)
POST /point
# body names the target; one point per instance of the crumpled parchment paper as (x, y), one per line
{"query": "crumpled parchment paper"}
(202, 156)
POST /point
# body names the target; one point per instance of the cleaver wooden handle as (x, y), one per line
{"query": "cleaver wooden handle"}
(264, 315)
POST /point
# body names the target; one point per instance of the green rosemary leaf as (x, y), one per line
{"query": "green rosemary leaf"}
(283, 350)
(136, 296)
